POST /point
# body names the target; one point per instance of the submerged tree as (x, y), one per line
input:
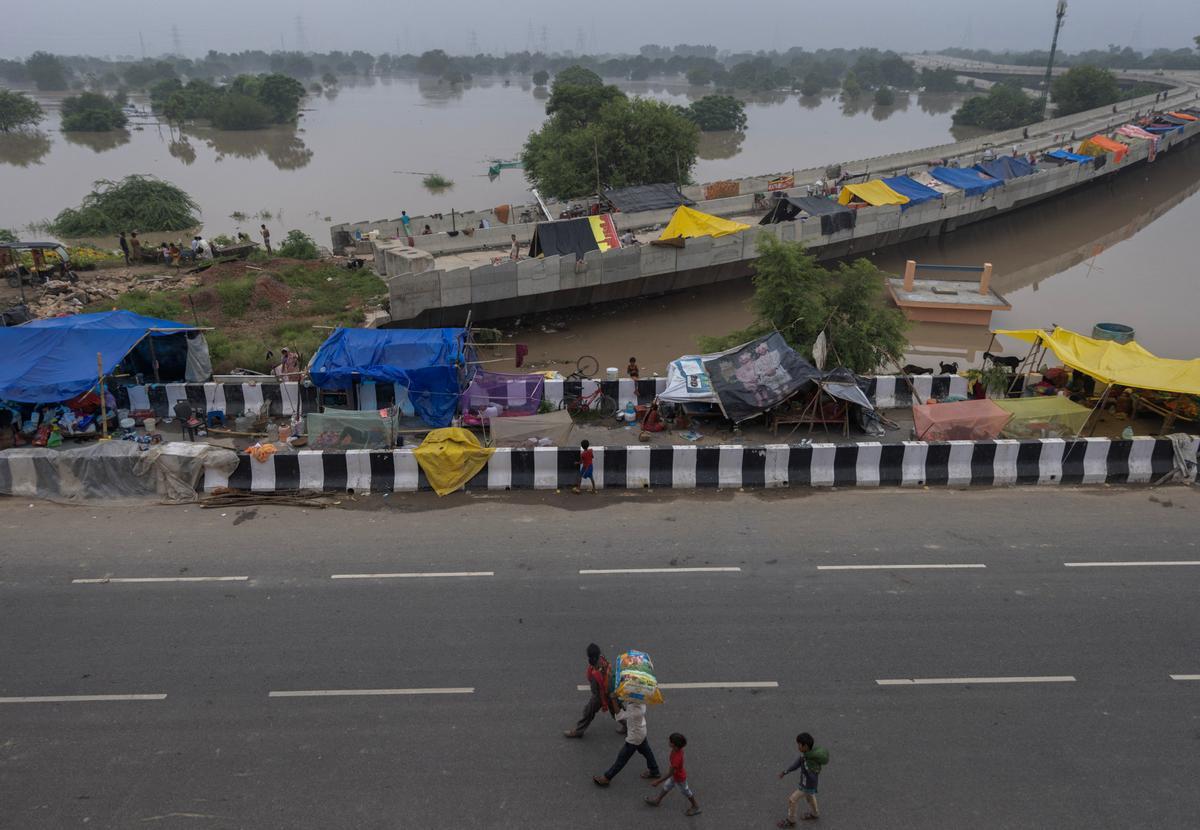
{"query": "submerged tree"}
(799, 298)
(1083, 88)
(17, 110)
(717, 112)
(1003, 108)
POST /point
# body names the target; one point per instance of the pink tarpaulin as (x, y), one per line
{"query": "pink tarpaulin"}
(961, 421)
(507, 395)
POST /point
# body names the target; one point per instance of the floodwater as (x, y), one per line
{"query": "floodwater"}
(360, 153)
(1120, 251)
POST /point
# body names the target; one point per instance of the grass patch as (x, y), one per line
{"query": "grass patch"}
(235, 296)
(329, 289)
(161, 304)
(436, 181)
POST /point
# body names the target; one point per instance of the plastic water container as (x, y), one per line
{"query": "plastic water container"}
(1117, 332)
(612, 372)
(150, 424)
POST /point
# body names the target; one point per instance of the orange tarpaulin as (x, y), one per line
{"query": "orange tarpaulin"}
(1183, 115)
(1098, 145)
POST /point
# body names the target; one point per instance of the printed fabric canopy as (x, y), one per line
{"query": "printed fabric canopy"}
(50, 360)
(1098, 145)
(914, 191)
(1125, 364)
(574, 236)
(1066, 155)
(688, 222)
(834, 217)
(970, 181)
(426, 362)
(1006, 167)
(874, 192)
(646, 197)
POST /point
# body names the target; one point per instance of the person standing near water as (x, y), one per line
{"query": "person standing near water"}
(124, 246)
(266, 235)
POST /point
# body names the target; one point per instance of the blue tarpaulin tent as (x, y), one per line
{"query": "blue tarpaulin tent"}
(51, 360)
(914, 190)
(1006, 167)
(971, 182)
(429, 363)
(1063, 155)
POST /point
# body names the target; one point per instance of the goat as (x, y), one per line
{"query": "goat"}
(948, 368)
(910, 369)
(1011, 363)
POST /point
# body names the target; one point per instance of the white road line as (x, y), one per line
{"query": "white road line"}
(106, 580)
(79, 698)
(734, 684)
(893, 567)
(586, 572)
(1185, 677)
(951, 681)
(416, 575)
(459, 690)
(1131, 564)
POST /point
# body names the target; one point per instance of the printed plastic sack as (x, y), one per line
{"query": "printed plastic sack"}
(635, 678)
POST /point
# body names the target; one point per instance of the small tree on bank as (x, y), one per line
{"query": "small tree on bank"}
(799, 298)
(1083, 88)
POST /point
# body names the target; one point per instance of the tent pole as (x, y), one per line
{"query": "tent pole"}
(103, 403)
(154, 360)
(1096, 409)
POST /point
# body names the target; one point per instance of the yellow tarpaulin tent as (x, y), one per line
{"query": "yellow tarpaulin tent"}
(687, 223)
(873, 192)
(1125, 364)
(450, 458)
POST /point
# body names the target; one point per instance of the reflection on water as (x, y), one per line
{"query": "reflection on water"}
(183, 150)
(721, 144)
(938, 103)
(22, 148)
(809, 102)
(99, 142)
(439, 91)
(281, 145)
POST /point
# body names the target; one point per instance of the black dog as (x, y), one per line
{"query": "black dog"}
(910, 369)
(1011, 363)
(948, 368)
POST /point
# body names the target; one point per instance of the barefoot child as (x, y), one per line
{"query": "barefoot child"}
(811, 760)
(585, 466)
(675, 777)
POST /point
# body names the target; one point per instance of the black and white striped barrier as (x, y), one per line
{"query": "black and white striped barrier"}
(282, 399)
(868, 464)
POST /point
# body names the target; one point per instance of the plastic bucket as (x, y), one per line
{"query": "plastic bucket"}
(612, 372)
(150, 424)
(1117, 332)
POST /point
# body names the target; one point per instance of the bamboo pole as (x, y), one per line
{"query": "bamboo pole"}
(103, 402)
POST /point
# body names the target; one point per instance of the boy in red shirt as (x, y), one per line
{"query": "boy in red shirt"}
(585, 466)
(677, 777)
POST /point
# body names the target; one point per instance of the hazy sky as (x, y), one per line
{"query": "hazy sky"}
(112, 27)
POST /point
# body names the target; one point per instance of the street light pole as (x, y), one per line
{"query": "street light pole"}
(1060, 12)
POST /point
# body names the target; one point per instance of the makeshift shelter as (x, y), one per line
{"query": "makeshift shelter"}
(1006, 167)
(1044, 416)
(431, 365)
(1066, 156)
(55, 359)
(688, 222)
(688, 381)
(645, 197)
(834, 217)
(1098, 145)
(874, 192)
(1124, 364)
(929, 181)
(1162, 124)
(970, 181)
(830, 398)
(450, 458)
(978, 420)
(753, 377)
(345, 429)
(914, 191)
(495, 394)
(1186, 116)
(541, 429)
(576, 237)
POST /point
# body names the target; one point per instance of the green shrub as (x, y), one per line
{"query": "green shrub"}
(91, 112)
(146, 203)
(240, 112)
(159, 304)
(436, 181)
(235, 295)
(298, 245)
(17, 110)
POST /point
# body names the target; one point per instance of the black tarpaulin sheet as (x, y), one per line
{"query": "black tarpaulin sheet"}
(646, 197)
(757, 376)
(834, 217)
(563, 237)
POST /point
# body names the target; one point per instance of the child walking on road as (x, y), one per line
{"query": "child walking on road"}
(676, 777)
(586, 456)
(811, 760)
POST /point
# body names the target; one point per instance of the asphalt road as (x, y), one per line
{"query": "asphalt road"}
(1042, 697)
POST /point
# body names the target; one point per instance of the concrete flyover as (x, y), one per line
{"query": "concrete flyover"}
(445, 276)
